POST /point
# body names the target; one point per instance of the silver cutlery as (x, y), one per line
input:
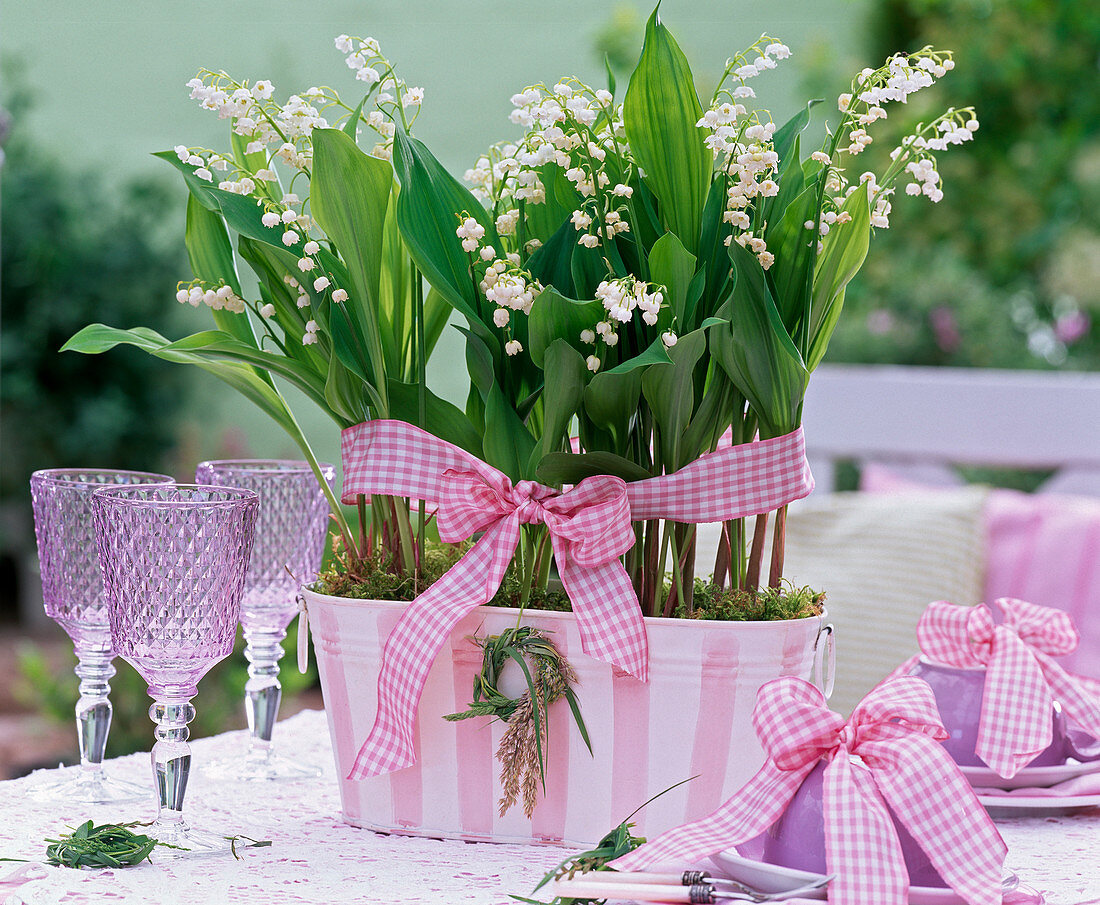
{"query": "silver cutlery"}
(643, 887)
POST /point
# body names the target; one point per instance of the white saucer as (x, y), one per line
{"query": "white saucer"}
(1029, 777)
(763, 876)
(1037, 805)
(773, 878)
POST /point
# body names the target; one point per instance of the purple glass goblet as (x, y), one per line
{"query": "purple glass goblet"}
(290, 539)
(72, 591)
(174, 561)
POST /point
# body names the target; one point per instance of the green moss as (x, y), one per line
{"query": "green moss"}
(763, 605)
(377, 580)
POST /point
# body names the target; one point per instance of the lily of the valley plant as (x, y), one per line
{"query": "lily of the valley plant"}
(636, 273)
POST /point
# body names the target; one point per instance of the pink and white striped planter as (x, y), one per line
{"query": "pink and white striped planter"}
(693, 718)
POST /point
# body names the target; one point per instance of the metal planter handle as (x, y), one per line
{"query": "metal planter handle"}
(824, 669)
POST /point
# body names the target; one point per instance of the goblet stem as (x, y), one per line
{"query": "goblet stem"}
(263, 691)
(171, 758)
(93, 711)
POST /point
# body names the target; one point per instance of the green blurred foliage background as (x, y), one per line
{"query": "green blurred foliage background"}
(1005, 271)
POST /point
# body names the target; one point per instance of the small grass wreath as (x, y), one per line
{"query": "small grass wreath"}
(522, 750)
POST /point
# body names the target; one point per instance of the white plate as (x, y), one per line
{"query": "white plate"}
(1037, 805)
(1029, 777)
(773, 878)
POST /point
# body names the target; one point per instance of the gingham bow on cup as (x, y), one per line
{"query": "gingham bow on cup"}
(589, 527)
(895, 731)
(1022, 678)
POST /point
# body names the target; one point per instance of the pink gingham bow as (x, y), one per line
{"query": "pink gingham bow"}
(589, 527)
(1022, 678)
(896, 731)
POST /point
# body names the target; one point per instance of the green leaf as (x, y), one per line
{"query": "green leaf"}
(654, 354)
(566, 377)
(546, 219)
(508, 443)
(588, 268)
(551, 263)
(349, 195)
(671, 265)
(429, 207)
(209, 250)
(791, 183)
(553, 316)
(795, 248)
(97, 338)
(843, 253)
(611, 403)
(756, 351)
(443, 419)
(714, 261)
(570, 468)
(571, 698)
(670, 391)
(210, 254)
(396, 302)
(712, 416)
(344, 393)
(660, 111)
(480, 362)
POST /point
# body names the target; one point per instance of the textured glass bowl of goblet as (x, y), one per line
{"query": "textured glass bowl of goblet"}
(290, 539)
(72, 592)
(174, 561)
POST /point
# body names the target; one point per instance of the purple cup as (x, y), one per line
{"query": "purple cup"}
(797, 839)
(959, 693)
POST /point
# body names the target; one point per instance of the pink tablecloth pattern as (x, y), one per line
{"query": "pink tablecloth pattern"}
(317, 859)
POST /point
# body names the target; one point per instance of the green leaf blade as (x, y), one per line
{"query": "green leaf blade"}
(660, 111)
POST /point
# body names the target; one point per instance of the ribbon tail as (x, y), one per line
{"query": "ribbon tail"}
(1079, 700)
(416, 640)
(942, 814)
(1016, 705)
(609, 616)
(863, 852)
(744, 816)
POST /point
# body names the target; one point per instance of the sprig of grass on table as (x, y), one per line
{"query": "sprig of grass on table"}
(620, 841)
(113, 845)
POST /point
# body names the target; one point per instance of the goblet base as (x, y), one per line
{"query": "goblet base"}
(89, 787)
(179, 840)
(259, 766)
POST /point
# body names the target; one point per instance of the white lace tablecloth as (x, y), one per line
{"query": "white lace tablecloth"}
(315, 858)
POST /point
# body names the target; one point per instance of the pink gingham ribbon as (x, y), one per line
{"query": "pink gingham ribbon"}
(589, 526)
(1022, 679)
(896, 731)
